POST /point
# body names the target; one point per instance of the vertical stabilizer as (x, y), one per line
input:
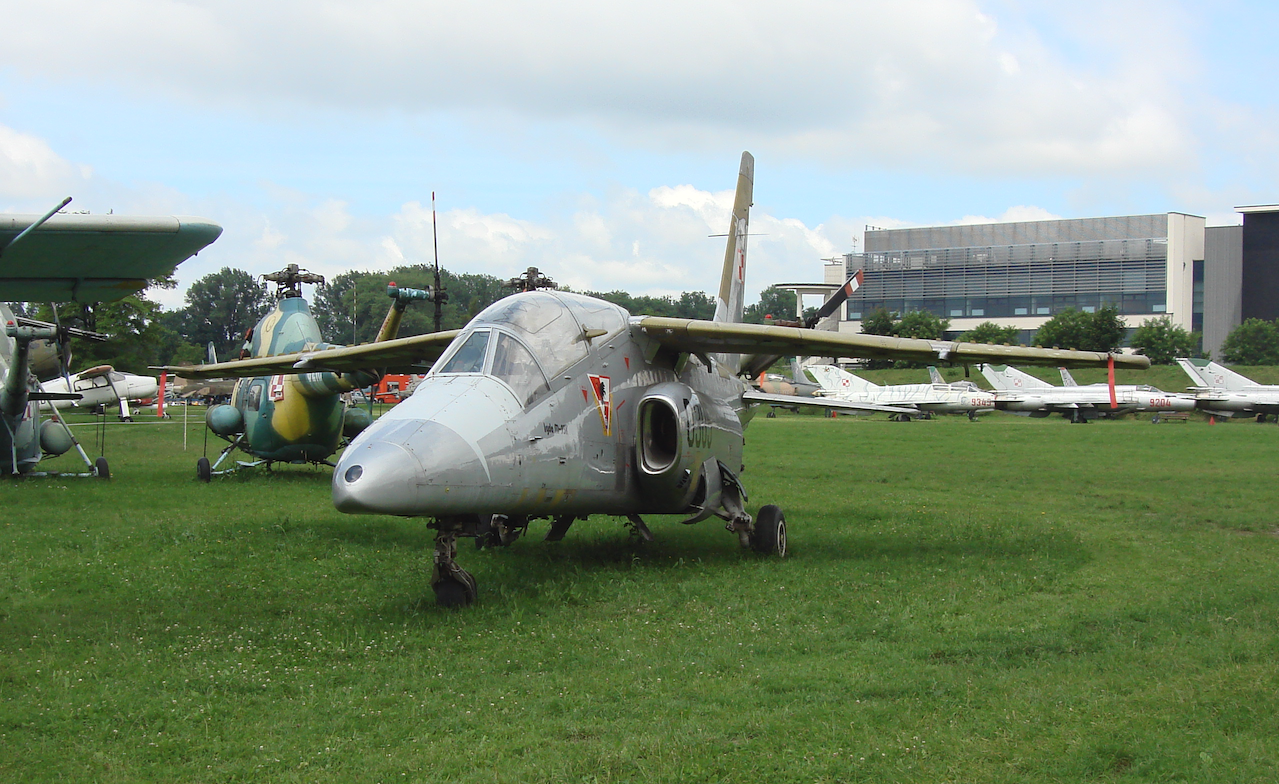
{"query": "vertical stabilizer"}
(1067, 380)
(1193, 370)
(836, 381)
(935, 375)
(732, 284)
(1009, 379)
(1218, 377)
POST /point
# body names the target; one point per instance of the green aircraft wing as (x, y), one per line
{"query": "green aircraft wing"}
(710, 337)
(94, 258)
(406, 355)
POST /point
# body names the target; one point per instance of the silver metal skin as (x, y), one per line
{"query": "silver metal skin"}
(471, 443)
(1022, 393)
(1222, 392)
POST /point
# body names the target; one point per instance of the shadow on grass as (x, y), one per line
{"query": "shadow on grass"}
(599, 564)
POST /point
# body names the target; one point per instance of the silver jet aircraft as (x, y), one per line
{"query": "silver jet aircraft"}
(551, 405)
(1022, 393)
(961, 397)
(1223, 392)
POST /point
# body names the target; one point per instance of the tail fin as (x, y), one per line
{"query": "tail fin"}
(732, 283)
(1193, 368)
(1009, 379)
(935, 376)
(1067, 380)
(212, 355)
(833, 379)
(1219, 377)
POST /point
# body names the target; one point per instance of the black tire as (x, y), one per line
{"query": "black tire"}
(769, 536)
(100, 468)
(203, 471)
(451, 593)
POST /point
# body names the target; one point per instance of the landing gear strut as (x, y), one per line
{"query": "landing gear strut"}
(453, 585)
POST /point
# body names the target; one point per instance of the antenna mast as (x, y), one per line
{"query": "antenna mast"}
(438, 294)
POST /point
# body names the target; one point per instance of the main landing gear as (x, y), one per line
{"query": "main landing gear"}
(455, 587)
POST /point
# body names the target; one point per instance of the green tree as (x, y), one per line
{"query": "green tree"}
(134, 324)
(879, 321)
(1075, 329)
(921, 324)
(220, 307)
(775, 302)
(1254, 342)
(990, 332)
(1163, 341)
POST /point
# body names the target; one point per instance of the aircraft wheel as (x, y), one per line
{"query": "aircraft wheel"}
(770, 531)
(203, 471)
(455, 591)
(100, 468)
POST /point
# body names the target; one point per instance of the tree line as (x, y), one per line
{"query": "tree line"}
(1100, 330)
(219, 307)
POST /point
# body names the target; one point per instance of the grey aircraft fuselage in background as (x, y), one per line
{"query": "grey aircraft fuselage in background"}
(1220, 391)
(1024, 394)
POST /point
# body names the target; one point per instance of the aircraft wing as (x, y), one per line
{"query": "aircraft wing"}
(408, 355)
(695, 336)
(94, 258)
(768, 398)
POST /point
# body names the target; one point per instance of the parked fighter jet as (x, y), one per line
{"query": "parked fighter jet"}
(961, 397)
(101, 386)
(556, 405)
(81, 258)
(291, 418)
(1022, 393)
(1223, 392)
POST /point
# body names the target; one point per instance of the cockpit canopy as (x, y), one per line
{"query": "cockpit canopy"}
(527, 339)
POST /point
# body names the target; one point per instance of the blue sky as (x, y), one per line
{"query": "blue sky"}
(599, 142)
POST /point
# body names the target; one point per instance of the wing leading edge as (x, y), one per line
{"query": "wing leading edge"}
(407, 355)
(90, 258)
(694, 337)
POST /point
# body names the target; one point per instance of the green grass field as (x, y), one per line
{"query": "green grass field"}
(1007, 600)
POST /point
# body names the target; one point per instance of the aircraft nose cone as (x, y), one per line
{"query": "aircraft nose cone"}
(382, 479)
(407, 468)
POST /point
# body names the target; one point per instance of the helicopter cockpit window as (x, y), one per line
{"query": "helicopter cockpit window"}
(513, 364)
(253, 399)
(545, 324)
(469, 357)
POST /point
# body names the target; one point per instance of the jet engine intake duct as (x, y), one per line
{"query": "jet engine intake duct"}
(669, 463)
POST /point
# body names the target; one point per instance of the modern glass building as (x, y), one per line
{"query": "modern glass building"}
(1022, 274)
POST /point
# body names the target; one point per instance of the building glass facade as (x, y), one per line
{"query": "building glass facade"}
(1022, 273)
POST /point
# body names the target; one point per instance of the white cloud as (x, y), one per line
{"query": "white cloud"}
(31, 172)
(927, 83)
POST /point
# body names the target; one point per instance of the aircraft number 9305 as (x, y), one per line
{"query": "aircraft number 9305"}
(697, 430)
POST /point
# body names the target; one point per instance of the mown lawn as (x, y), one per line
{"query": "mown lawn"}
(1005, 600)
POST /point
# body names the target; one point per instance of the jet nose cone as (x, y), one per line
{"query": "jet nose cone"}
(409, 467)
(380, 479)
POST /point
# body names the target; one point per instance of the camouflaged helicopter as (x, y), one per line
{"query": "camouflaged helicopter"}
(551, 405)
(70, 258)
(291, 418)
